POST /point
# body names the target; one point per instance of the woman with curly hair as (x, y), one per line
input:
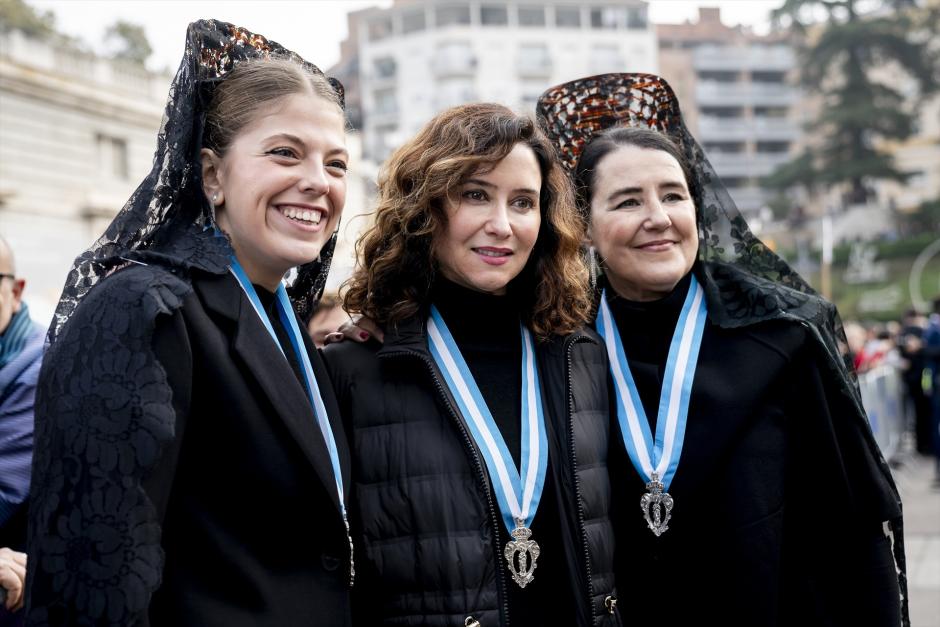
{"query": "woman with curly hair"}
(479, 429)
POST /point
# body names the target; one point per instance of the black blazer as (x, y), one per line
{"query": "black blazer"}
(244, 491)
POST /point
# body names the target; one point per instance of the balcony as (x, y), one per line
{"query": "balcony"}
(713, 93)
(715, 129)
(783, 129)
(761, 58)
(449, 64)
(540, 67)
(746, 164)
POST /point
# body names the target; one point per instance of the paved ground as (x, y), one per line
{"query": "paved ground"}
(921, 498)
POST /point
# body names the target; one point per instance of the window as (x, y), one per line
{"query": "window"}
(385, 67)
(606, 18)
(534, 58)
(606, 58)
(768, 77)
(773, 147)
(494, 15)
(724, 148)
(112, 157)
(568, 17)
(385, 102)
(636, 18)
(412, 21)
(722, 112)
(719, 76)
(770, 112)
(452, 14)
(531, 16)
(380, 28)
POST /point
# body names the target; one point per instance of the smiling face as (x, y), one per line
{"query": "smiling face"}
(493, 224)
(642, 222)
(281, 185)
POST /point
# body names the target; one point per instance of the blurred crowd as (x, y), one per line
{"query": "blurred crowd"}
(912, 346)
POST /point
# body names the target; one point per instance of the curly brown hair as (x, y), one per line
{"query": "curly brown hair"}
(396, 264)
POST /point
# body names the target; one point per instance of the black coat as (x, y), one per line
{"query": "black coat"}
(771, 525)
(243, 487)
(427, 524)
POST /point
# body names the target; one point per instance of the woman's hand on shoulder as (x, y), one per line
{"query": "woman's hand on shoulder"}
(358, 328)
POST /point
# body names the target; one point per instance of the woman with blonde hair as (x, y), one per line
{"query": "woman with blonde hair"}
(479, 431)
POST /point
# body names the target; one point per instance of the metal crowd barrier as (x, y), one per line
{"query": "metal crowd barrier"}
(883, 396)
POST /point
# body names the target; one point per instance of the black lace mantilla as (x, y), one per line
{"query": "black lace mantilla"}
(745, 282)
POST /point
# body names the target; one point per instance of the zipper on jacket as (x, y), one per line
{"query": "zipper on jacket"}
(482, 474)
(574, 474)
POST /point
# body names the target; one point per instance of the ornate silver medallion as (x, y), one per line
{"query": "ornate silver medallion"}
(656, 506)
(521, 554)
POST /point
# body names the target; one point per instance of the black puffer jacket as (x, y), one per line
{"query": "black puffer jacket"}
(417, 473)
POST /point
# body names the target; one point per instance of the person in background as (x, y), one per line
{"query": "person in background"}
(932, 364)
(21, 342)
(190, 460)
(911, 347)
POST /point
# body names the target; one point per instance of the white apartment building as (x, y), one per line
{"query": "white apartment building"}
(420, 56)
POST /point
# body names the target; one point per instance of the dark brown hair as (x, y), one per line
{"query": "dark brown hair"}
(396, 264)
(610, 140)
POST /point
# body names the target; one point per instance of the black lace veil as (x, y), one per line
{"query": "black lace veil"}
(745, 282)
(167, 220)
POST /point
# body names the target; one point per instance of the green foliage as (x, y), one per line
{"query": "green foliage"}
(128, 42)
(926, 219)
(17, 15)
(859, 110)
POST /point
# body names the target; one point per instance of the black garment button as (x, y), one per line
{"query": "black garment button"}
(330, 562)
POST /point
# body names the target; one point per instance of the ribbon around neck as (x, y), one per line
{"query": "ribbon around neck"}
(289, 320)
(518, 493)
(662, 455)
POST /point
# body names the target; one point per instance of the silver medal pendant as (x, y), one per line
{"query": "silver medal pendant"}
(656, 506)
(521, 554)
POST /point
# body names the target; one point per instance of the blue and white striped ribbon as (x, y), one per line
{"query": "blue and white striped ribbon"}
(517, 492)
(289, 320)
(661, 456)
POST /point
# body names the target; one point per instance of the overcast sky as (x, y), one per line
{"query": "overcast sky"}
(311, 28)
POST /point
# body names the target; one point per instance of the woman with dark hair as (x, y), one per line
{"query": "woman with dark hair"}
(479, 434)
(763, 498)
(190, 463)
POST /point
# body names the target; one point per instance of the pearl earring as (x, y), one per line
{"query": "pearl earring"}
(215, 198)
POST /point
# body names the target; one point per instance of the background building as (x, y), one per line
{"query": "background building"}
(77, 136)
(737, 91)
(407, 62)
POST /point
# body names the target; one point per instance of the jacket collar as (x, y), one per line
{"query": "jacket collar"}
(252, 344)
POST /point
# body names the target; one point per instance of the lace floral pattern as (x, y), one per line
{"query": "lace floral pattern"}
(103, 415)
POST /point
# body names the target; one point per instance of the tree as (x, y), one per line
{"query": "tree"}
(840, 64)
(128, 42)
(17, 15)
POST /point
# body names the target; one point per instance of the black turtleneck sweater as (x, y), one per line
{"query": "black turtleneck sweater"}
(486, 329)
(646, 330)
